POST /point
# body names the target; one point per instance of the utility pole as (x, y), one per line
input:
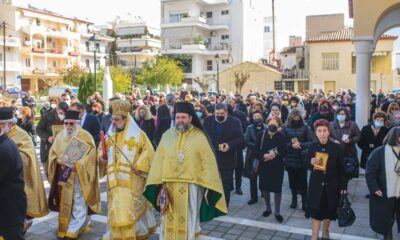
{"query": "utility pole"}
(4, 55)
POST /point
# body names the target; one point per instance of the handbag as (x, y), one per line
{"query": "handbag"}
(255, 164)
(351, 167)
(346, 216)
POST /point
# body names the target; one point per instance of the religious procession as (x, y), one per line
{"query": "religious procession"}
(171, 162)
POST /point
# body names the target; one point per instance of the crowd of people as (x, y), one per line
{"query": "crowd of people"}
(164, 145)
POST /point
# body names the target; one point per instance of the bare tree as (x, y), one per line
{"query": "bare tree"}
(240, 80)
(202, 83)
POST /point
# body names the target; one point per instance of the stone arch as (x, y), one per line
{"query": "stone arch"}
(389, 19)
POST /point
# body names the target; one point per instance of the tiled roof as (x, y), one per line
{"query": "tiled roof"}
(287, 50)
(343, 35)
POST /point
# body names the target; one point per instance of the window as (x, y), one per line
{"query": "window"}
(209, 14)
(98, 47)
(97, 64)
(1, 57)
(278, 85)
(225, 61)
(330, 61)
(53, 44)
(289, 86)
(27, 62)
(267, 29)
(303, 85)
(54, 63)
(225, 37)
(87, 44)
(209, 65)
(87, 63)
(176, 17)
(225, 12)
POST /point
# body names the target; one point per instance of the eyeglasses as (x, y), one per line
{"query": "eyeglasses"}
(69, 123)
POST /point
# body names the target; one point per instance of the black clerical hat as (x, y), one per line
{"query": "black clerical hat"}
(72, 115)
(188, 108)
(6, 113)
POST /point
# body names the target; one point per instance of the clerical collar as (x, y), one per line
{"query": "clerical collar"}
(120, 130)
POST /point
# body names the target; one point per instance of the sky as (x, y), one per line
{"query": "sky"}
(291, 14)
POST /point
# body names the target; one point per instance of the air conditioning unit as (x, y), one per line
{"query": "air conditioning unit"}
(213, 33)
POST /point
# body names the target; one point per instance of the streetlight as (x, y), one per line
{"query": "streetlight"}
(217, 57)
(94, 39)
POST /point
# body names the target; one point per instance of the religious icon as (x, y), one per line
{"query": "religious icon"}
(322, 160)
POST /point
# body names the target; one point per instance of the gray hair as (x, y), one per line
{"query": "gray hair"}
(170, 98)
(220, 106)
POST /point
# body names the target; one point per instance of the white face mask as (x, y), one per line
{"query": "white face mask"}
(68, 102)
(61, 117)
(53, 106)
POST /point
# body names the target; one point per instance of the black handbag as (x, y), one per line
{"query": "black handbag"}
(255, 164)
(346, 216)
(351, 167)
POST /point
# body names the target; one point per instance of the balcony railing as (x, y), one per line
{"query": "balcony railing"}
(10, 66)
(176, 44)
(10, 41)
(38, 50)
(295, 74)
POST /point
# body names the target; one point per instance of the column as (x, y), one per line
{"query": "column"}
(363, 79)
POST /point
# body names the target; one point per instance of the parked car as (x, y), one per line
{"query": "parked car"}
(58, 90)
(12, 91)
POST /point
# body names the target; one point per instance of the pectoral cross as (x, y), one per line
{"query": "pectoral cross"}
(180, 157)
(130, 143)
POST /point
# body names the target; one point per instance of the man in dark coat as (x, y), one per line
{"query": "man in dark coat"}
(240, 104)
(89, 122)
(241, 116)
(12, 195)
(226, 135)
(45, 132)
(29, 101)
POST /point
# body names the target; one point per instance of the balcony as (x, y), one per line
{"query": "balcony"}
(10, 42)
(38, 50)
(11, 66)
(57, 33)
(295, 74)
(33, 29)
(197, 21)
(176, 46)
(204, 2)
(73, 53)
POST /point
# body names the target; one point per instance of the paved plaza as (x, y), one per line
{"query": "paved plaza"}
(243, 222)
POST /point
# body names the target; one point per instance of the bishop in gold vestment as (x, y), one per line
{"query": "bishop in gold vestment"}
(79, 196)
(34, 188)
(129, 154)
(184, 173)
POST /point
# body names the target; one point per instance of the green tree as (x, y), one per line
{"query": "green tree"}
(86, 87)
(161, 71)
(121, 80)
(72, 75)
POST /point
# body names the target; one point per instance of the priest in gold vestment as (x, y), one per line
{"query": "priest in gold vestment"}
(75, 195)
(129, 153)
(34, 187)
(184, 182)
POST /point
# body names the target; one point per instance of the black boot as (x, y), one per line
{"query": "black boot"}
(294, 201)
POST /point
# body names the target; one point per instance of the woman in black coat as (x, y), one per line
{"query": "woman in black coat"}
(326, 183)
(26, 123)
(382, 174)
(298, 137)
(145, 121)
(250, 139)
(372, 136)
(271, 169)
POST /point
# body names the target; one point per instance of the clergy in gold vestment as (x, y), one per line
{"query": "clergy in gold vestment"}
(34, 188)
(184, 173)
(76, 196)
(129, 154)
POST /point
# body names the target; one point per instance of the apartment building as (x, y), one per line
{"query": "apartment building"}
(136, 41)
(268, 37)
(211, 34)
(44, 44)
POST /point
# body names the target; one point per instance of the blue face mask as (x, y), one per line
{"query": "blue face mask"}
(341, 118)
(199, 114)
(378, 124)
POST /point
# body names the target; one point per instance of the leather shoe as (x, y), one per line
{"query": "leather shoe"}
(251, 202)
(279, 218)
(266, 213)
(239, 191)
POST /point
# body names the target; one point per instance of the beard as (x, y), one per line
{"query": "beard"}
(182, 127)
(116, 129)
(5, 130)
(70, 134)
